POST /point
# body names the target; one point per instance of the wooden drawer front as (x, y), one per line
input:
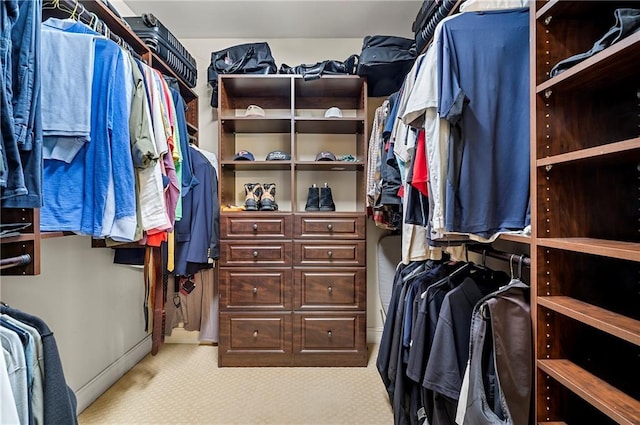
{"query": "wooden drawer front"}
(255, 253)
(335, 253)
(350, 227)
(240, 226)
(251, 288)
(327, 290)
(329, 332)
(269, 332)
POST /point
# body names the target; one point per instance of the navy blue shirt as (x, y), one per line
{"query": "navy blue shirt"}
(483, 80)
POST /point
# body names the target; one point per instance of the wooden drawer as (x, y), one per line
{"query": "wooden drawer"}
(256, 226)
(330, 339)
(330, 226)
(331, 253)
(329, 290)
(250, 253)
(255, 339)
(249, 288)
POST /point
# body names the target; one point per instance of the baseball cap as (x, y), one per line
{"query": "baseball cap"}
(325, 156)
(333, 112)
(254, 111)
(278, 156)
(243, 156)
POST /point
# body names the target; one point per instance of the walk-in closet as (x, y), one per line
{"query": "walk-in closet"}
(411, 212)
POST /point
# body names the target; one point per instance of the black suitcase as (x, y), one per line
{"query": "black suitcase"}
(165, 45)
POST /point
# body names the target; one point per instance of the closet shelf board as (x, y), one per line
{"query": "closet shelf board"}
(573, 9)
(609, 400)
(512, 237)
(192, 129)
(50, 235)
(607, 321)
(187, 93)
(115, 25)
(605, 67)
(628, 150)
(256, 125)
(19, 238)
(329, 126)
(549, 6)
(256, 165)
(329, 165)
(607, 248)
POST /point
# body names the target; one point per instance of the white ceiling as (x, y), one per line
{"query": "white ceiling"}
(281, 18)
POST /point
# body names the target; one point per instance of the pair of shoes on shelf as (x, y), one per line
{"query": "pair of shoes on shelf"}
(260, 196)
(320, 199)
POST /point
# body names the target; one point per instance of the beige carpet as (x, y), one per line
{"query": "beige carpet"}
(183, 385)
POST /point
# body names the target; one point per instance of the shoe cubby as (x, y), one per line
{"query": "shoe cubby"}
(267, 113)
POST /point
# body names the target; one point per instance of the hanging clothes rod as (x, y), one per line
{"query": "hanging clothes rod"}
(20, 260)
(78, 12)
(500, 255)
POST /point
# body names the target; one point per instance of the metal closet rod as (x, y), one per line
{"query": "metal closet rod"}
(500, 255)
(20, 260)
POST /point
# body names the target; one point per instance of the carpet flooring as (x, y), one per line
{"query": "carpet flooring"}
(183, 384)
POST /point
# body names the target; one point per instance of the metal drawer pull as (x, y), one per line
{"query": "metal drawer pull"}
(330, 290)
(330, 254)
(329, 334)
(255, 254)
(255, 290)
(330, 226)
(255, 334)
(255, 227)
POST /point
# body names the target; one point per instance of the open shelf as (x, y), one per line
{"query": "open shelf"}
(192, 129)
(345, 125)
(628, 150)
(115, 24)
(256, 165)
(596, 70)
(187, 93)
(256, 125)
(572, 9)
(512, 237)
(606, 398)
(615, 324)
(329, 165)
(607, 248)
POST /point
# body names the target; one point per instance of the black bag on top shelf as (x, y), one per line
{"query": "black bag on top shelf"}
(250, 58)
(385, 61)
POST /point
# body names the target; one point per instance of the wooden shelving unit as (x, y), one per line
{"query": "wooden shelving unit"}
(292, 282)
(586, 216)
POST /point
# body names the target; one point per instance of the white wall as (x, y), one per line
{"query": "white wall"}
(93, 307)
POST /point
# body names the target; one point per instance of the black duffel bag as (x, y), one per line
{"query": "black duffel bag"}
(250, 58)
(385, 61)
(328, 67)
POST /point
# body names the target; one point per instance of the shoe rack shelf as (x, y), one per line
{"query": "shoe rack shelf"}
(292, 282)
(586, 203)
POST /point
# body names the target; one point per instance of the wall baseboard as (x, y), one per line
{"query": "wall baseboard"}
(374, 335)
(90, 391)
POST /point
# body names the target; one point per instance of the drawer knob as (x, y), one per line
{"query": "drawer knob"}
(330, 226)
(330, 290)
(255, 227)
(329, 334)
(330, 254)
(255, 254)
(255, 290)
(255, 334)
